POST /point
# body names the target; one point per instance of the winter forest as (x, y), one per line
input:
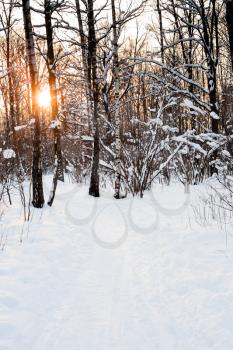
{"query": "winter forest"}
(116, 174)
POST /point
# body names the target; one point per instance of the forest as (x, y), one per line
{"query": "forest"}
(116, 174)
(81, 94)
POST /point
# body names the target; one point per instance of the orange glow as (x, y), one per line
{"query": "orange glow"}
(44, 98)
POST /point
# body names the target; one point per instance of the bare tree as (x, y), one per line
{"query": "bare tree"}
(229, 19)
(92, 62)
(117, 103)
(51, 65)
(7, 21)
(37, 184)
(86, 67)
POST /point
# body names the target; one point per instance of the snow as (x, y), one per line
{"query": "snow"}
(189, 104)
(55, 124)
(31, 121)
(8, 153)
(194, 145)
(157, 121)
(226, 153)
(184, 150)
(20, 127)
(87, 138)
(106, 165)
(214, 115)
(96, 273)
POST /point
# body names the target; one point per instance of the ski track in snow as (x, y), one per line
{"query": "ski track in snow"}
(168, 289)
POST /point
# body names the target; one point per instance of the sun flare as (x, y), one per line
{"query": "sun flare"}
(44, 98)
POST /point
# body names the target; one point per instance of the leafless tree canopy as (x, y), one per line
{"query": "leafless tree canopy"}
(92, 90)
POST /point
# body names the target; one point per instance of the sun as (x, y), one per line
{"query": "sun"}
(44, 98)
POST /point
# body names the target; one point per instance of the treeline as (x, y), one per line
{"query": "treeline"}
(123, 108)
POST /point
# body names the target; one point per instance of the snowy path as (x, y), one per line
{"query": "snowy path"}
(69, 286)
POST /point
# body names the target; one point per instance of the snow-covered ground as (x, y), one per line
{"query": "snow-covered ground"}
(101, 274)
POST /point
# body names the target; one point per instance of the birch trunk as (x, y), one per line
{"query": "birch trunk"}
(117, 194)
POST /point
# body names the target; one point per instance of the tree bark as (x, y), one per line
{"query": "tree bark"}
(86, 67)
(210, 35)
(117, 104)
(6, 21)
(161, 32)
(92, 62)
(229, 19)
(58, 163)
(37, 183)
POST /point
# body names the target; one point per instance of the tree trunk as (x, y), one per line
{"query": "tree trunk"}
(10, 83)
(37, 184)
(58, 164)
(86, 67)
(229, 19)
(212, 65)
(210, 34)
(117, 104)
(161, 31)
(6, 20)
(92, 61)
